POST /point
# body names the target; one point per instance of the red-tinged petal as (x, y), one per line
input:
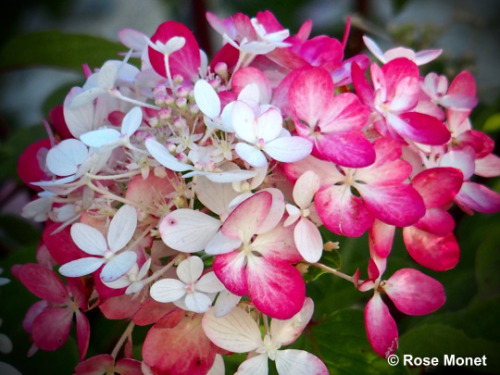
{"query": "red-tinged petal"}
(245, 220)
(476, 197)
(151, 190)
(277, 245)
(361, 86)
(51, 328)
(128, 366)
(322, 51)
(481, 143)
(420, 127)
(60, 245)
(342, 212)
(83, 333)
(438, 253)
(488, 166)
(277, 290)
(397, 70)
(95, 365)
(251, 75)
(43, 283)
(151, 311)
(348, 149)
(230, 268)
(325, 170)
(406, 95)
(345, 113)
(398, 205)
(185, 61)
(381, 328)
(36, 309)
(28, 165)
(438, 186)
(78, 292)
(436, 221)
(192, 354)
(381, 236)
(293, 361)
(310, 95)
(463, 84)
(121, 307)
(414, 293)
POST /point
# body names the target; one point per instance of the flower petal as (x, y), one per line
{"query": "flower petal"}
(257, 365)
(198, 302)
(88, 239)
(81, 267)
(190, 269)
(168, 290)
(209, 283)
(230, 270)
(51, 328)
(308, 240)
(380, 326)
(288, 149)
(165, 158)
(300, 362)
(207, 99)
(118, 266)
(251, 154)
(131, 121)
(65, 158)
(285, 332)
(122, 227)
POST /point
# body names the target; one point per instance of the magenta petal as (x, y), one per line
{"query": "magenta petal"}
(230, 269)
(438, 253)
(348, 149)
(51, 328)
(36, 309)
(476, 197)
(361, 85)
(381, 236)
(414, 293)
(438, 186)
(398, 69)
(398, 205)
(345, 113)
(83, 333)
(422, 128)
(276, 289)
(342, 212)
(381, 328)
(43, 283)
(436, 221)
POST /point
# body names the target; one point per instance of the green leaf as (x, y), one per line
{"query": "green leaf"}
(56, 49)
(492, 123)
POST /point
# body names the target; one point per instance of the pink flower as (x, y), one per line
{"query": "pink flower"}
(104, 364)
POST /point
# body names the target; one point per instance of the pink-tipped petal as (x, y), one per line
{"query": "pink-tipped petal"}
(230, 270)
(348, 149)
(285, 332)
(476, 197)
(415, 293)
(381, 236)
(380, 326)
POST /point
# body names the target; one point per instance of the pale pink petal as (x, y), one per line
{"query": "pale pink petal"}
(269, 125)
(43, 283)
(374, 48)
(414, 293)
(276, 289)
(81, 267)
(209, 283)
(245, 220)
(438, 253)
(190, 269)
(342, 212)
(89, 239)
(380, 326)
(83, 333)
(427, 55)
(220, 244)
(308, 240)
(381, 237)
(277, 244)
(405, 95)
(51, 328)
(304, 189)
(488, 166)
(250, 75)
(188, 230)
(275, 212)
(285, 332)
(251, 154)
(300, 362)
(198, 302)
(243, 120)
(288, 149)
(230, 270)
(236, 332)
(168, 290)
(462, 159)
(226, 301)
(254, 366)
(118, 266)
(476, 197)
(395, 205)
(122, 227)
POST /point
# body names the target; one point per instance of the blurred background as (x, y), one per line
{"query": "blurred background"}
(41, 57)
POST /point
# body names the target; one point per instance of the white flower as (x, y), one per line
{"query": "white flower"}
(120, 232)
(188, 292)
(133, 280)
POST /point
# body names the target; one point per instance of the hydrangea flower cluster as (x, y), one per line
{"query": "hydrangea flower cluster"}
(187, 195)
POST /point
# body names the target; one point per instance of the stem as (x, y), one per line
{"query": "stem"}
(111, 177)
(160, 272)
(334, 272)
(119, 95)
(109, 195)
(121, 341)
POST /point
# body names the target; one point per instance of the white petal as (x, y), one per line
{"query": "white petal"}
(251, 154)
(250, 93)
(167, 290)
(305, 187)
(190, 269)
(121, 282)
(198, 302)
(209, 283)
(236, 331)
(107, 74)
(257, 365)
(269, 124)
(220, 244)
(243, 120)
(374, 48)
(65, 158)
(122, 227)
(86, 97)
(188, 230)
(100, 137)
(88, 239)
(230, 176)
(132, 121)
(294, 214)
(81, 267)
(299, 362)
(165, 158)
(118, 266)
(308, 240)
(214, 196)
(79, 120)
(285, 332)
(218, 367)
(288, 149)
(226, 301)
(207, 99)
